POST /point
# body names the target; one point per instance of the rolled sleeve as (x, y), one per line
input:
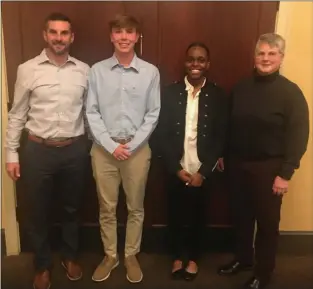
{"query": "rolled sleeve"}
(17, 117)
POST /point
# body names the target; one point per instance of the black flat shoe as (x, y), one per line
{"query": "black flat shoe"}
(255, 283)
(188, 276)
(178, 274)
(234, 268)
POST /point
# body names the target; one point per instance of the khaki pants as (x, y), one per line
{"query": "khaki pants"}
(108, 173)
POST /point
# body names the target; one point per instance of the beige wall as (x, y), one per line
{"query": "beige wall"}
(296, 25)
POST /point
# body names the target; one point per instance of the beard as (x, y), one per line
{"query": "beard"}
(62, 49)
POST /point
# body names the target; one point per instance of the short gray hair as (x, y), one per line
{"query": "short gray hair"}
(273, 40)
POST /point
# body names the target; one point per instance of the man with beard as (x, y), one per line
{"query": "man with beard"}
(191, 136)
(48, 102)
(122, 110)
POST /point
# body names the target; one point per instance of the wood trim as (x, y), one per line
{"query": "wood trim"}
(14, 49)
(12, 240)
(3, 246)
(267, 17)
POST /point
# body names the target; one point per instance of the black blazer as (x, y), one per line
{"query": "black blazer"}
(212, 125)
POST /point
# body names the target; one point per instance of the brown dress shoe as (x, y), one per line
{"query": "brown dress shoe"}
(42, 280)
(73, 270)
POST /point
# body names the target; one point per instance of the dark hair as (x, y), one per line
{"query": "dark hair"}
(199, 44)
(124, 21)
(57, 16)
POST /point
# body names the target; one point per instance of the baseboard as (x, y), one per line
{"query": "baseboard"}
(296, 243)
(3, 245)
(215, 239)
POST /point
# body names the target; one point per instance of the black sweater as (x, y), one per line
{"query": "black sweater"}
(269, 118)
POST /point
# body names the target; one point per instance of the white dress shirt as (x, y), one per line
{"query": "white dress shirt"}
(48, 101)
(190, 161)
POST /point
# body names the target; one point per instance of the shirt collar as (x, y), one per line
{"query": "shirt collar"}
(189, 86)
(44, 58)
(133, 64)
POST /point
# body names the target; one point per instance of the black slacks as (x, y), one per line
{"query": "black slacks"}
(41, 168)
(186, 219)
(253, 202)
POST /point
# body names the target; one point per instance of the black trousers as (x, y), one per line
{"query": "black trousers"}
(41, 168)
(253, 203)
(186, 219)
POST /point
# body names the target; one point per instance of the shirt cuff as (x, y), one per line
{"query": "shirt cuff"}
(286, 172)
(12, 157)
(111, 146)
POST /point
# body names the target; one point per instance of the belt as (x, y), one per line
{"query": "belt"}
(122, 140)
(53, 142)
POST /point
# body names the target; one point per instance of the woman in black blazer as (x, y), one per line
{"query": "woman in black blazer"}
(191, 135)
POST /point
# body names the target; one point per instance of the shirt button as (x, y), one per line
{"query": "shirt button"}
(177, 132)
(123, 88)
(180, 102)
(204, 135)
(205, 125)
(205, 115)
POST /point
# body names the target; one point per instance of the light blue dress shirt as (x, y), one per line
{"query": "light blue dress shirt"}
(123, 102)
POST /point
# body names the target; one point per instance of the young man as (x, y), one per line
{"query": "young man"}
(122, 110)
(48, 102)
(191, 136)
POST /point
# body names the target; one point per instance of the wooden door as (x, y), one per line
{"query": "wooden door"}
(230, 29)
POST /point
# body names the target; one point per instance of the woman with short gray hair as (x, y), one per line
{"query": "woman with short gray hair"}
(269, 129)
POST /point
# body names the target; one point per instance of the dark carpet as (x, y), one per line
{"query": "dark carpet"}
(292, 272)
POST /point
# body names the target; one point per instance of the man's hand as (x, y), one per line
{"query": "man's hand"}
(280, 186)
(13, 170)
(220, 165)
(121, 153)
(184, 176)
(196, 180)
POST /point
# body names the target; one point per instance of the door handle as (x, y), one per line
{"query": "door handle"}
(141, 44)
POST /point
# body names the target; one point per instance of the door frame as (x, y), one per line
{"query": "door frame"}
(8, 196)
